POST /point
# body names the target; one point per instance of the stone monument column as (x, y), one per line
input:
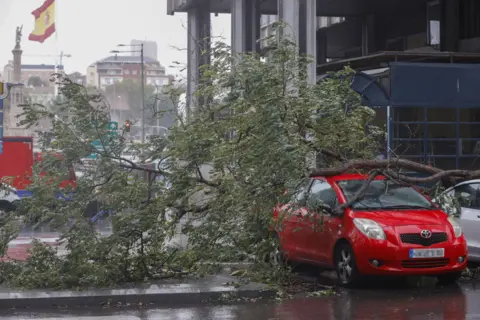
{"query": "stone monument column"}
(17, 56)
(12, 108)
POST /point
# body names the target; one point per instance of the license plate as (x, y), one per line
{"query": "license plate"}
(427, 253)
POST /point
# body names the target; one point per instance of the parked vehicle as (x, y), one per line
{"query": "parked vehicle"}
(468, 195)
(392, 229)
(16, 163)
(9, 200)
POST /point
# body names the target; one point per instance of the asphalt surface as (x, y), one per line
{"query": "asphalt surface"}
(405, 301)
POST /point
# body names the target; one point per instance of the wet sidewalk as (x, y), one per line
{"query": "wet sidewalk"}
(166, 293)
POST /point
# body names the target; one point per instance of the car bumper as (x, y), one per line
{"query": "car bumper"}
(395, 260)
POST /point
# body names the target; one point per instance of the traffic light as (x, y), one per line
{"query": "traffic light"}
(127, 126)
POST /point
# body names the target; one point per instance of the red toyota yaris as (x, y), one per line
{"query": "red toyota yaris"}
(392, 229)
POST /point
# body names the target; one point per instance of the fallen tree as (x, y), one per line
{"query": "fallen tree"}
(250, 130)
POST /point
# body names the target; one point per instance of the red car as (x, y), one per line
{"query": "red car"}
(392, 229)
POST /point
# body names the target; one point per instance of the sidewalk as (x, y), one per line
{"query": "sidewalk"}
(167, 293)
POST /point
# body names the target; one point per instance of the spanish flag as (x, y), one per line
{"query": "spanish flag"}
(44, 22)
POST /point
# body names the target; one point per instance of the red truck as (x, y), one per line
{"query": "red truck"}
(16, 163)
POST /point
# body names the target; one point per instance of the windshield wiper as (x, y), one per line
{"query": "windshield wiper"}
(406, 206)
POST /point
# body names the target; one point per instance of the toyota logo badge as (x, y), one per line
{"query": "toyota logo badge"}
(426, 234)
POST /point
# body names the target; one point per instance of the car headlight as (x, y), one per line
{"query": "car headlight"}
(457, 230)
(370, 228)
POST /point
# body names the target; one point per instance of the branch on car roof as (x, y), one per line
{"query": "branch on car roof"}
(391, 164)
(361, 191)
(392, 168)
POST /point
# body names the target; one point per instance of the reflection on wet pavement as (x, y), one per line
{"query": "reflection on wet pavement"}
(18, 248)
(397, 302)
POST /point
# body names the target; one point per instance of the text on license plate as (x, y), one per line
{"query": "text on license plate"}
(427, 253)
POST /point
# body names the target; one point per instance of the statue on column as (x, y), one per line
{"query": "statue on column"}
(18, 36)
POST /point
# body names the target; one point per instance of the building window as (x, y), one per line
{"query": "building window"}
(134, 71)
(127, 71)
(433, 23)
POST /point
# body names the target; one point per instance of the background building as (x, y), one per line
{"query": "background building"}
(118, 68)
(119, 77)
(78, 78)
(150, 48)
(42, 72)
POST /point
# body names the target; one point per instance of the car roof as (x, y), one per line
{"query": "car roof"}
(469, 181)
(349, 176)
(463, 183)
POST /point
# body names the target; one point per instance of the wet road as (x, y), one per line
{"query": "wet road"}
(393, 302)
(18, 248)
(383, 300)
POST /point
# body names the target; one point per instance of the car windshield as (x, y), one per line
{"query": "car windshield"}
(384, 194)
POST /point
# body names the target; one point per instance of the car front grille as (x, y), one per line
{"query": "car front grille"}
(425, 263)
(415, 238)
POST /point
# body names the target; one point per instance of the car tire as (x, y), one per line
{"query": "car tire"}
(449, 278)
(346, 266)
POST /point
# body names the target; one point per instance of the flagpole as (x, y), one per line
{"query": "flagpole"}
(56, 47)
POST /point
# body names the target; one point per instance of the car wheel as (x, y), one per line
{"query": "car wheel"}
(346, 266)
(449, 278)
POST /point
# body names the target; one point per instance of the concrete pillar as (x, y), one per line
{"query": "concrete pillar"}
(301, 19)
(449, 25)
(368, 35)
(289, 13)
(308, 35)
(199, 26)
(245, 25)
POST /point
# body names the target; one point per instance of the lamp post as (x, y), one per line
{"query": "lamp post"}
(142, 80)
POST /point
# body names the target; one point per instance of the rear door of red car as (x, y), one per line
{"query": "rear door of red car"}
(290, 219)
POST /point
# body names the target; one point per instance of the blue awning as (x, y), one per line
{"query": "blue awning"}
(367, 86)
(448, 85)
(372, 93)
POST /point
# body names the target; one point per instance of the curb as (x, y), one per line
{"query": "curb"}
(209, 289)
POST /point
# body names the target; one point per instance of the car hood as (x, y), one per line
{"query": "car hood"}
(403, 217)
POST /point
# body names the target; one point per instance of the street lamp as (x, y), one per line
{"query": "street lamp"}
(142, 81)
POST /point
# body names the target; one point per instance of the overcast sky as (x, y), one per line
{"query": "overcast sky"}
(89, 29)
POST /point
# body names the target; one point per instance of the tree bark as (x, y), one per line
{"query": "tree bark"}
(391, 167)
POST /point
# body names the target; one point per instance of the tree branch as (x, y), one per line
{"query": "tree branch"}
(339, 210)
(380, 164)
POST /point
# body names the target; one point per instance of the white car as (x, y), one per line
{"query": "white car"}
(468, 195)
(9, 199)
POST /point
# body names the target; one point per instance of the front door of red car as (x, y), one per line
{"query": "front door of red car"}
(320, 230)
